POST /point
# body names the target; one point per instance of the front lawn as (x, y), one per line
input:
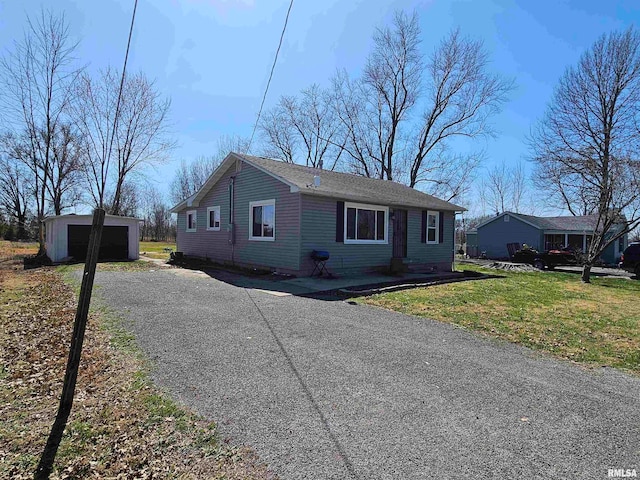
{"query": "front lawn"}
(596, 324)
(160, 250)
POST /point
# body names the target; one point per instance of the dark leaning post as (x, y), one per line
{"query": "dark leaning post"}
(68, 388)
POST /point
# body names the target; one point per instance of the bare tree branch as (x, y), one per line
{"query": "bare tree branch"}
(586, 146)
(141, 134)
(37, 79)
(462, 97)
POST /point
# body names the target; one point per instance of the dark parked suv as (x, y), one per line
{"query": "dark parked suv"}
(630, 259)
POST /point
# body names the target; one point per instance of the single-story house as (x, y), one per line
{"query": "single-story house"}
(540, 233)
(67, 236)
(264, 213)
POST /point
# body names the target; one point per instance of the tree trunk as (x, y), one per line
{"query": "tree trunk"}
(586, 273)
(42, 248)
(22, 231)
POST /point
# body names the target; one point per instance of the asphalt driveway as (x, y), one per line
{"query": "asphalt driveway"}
(329, 390)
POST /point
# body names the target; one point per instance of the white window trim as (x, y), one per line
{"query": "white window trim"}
(437, 215)
(195, 220)
(262, 203)
(366, 206)
(209, 227)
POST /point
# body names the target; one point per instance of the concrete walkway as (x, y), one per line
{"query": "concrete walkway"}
(284, 285)
(330, 390)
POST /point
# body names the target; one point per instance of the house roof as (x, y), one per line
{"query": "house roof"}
(88, 216)
(343, 186)
(571, 223)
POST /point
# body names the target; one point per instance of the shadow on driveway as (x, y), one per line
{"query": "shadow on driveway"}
(329, 288)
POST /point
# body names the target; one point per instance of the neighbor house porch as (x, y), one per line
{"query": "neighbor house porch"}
(574, 241)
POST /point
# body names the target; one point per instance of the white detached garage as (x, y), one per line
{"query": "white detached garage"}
(68, 236)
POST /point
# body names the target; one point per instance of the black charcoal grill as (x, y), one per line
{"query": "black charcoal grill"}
(320, 259)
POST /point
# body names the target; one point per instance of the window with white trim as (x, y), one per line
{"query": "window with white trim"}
(433, 227)
(192, 220)
(262, 220)
(365, 223)
(213, 218)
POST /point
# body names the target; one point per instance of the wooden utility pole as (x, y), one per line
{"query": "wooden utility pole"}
(79, 326)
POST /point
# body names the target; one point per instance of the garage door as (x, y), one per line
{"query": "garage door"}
(113, 246)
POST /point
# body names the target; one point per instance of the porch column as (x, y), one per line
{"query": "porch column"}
(566, 239)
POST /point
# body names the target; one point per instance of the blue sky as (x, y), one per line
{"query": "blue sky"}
(212, 58)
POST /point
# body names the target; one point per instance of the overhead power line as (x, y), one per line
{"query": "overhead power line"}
(122, 79)
(275, 60)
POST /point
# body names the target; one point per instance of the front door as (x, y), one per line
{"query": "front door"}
(399, 233)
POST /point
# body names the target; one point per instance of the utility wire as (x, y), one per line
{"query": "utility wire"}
(264, 97)
(124, 71)
(45, 465)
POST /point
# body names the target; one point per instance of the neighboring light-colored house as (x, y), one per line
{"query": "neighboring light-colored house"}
(258, 212)
(68, 236)
(540, 233)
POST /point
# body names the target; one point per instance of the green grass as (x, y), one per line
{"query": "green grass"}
(156, 249)
(596, 324)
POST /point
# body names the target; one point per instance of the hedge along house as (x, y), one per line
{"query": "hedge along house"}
(67, 237)
(258, 212)
(540, 233)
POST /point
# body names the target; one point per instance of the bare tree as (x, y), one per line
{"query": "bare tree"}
(572, 193)
(373, 108)
(116, 147)
(461, 97)
(453, 91)
(392, 75)
(142, 135)
(94, 110)
(63, 188)
(129, 199)
(450, 176)
(156, 215)
(230, 143)
(519, 186)
(15, 188)
(498, 187)
(349, 99)
(588, 138)
(306, 130)
(37, 79)
(504, 187)
(279, 135)
(190, 176)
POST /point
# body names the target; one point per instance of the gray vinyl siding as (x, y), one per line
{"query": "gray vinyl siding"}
(609, 257)
(251, 185)
(284, 252)
(494, 236)
(439, 255)
(319, 233)
(203, 243)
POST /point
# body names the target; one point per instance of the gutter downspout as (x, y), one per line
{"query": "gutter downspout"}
(231, 228)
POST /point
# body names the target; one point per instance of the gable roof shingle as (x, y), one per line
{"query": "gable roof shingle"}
(343, 186)
(569, 223)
